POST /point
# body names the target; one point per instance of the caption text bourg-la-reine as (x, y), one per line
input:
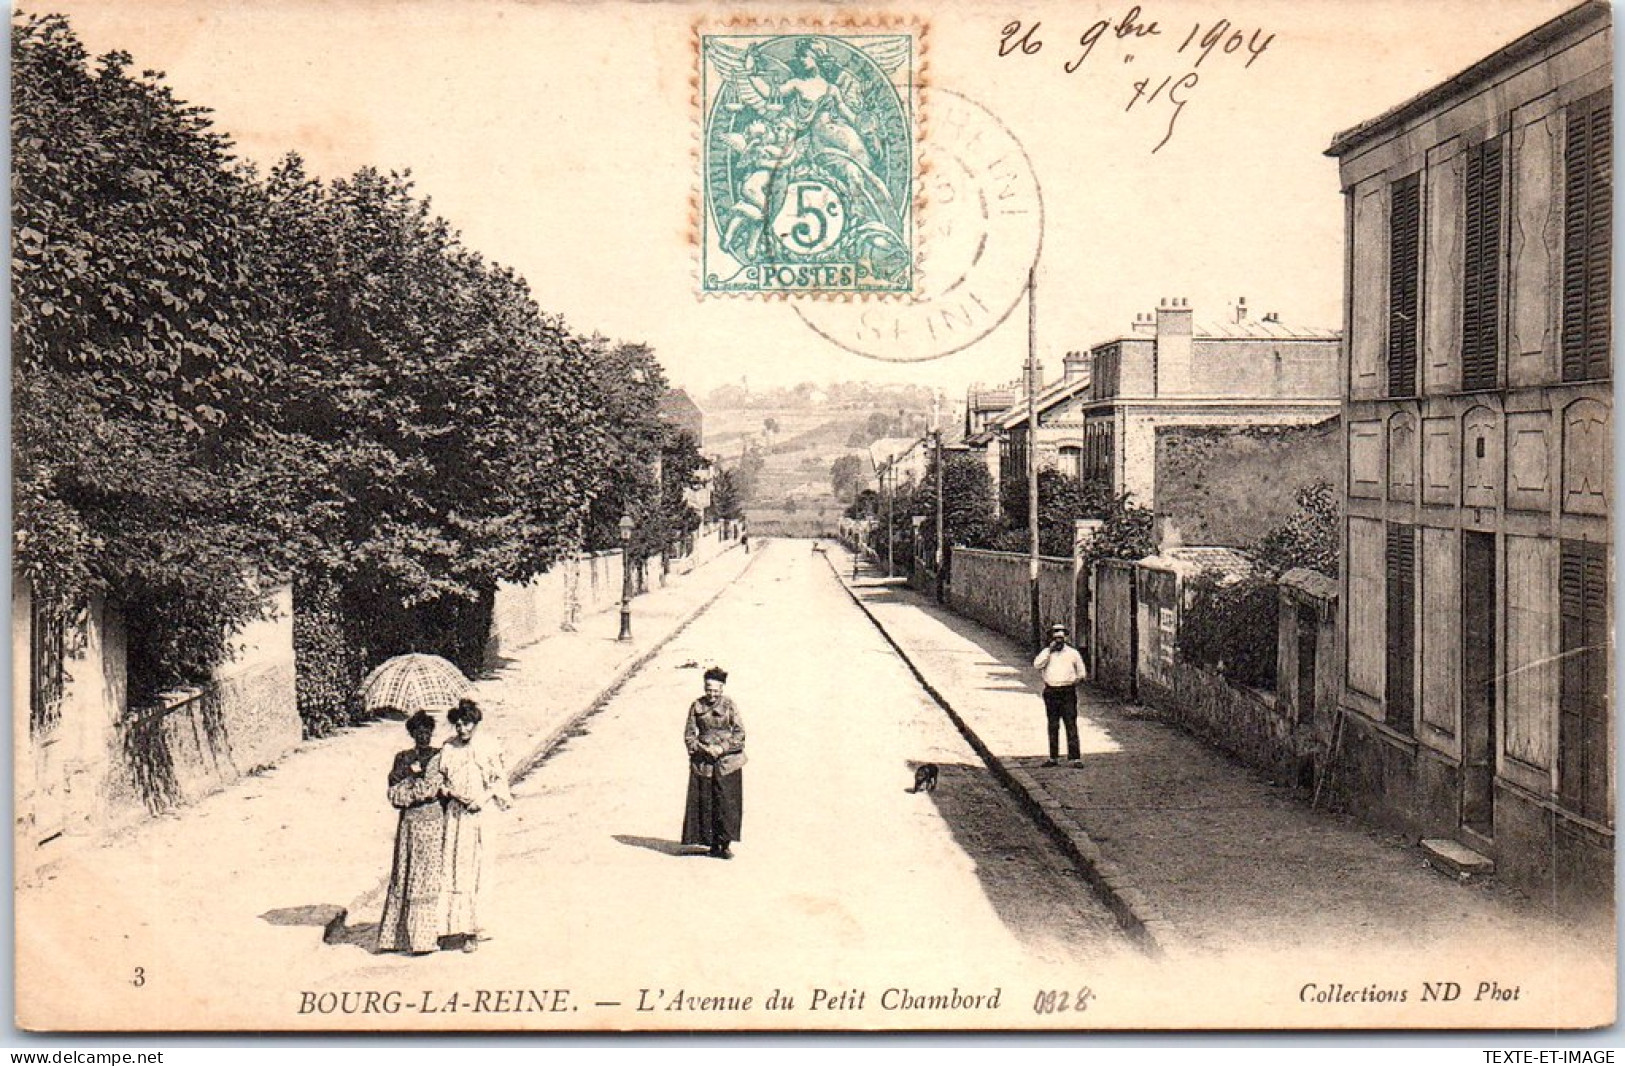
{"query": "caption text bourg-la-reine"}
(651, 1000)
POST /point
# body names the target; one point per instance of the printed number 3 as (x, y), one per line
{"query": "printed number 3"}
(140, 977)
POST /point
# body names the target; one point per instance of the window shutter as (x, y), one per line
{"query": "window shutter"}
(1583, 747)
(1399, 698)
(1404, 263)
(1482, 268)
(1587, 238)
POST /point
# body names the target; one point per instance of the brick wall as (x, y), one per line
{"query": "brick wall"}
(1229, 485)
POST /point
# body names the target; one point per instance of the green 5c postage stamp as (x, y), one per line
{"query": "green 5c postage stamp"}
(808, 159)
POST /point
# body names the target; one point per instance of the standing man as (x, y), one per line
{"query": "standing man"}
(1061, 667)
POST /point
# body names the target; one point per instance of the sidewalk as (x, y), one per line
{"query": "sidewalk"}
(320, 814)
(1194, 852)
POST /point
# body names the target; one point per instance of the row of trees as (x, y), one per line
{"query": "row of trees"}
(223, 378)
(971, 520)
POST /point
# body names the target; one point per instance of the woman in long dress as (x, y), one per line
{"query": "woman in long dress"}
(715, 739)
(413, 915)
(475, 780)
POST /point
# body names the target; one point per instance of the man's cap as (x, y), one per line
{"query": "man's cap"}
(1057, 628)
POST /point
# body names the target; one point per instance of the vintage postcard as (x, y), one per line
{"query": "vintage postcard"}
(556, 517)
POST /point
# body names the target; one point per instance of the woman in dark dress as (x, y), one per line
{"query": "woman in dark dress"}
(715, 738)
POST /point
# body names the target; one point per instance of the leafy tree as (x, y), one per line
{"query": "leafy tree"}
(681, 468)
(726, 499)
(432, 431)
(137, 334)
(631, 382)
(865, 505)
(967, 504)
(1309, 536)
(1062, 499)
(1125, 534)
(846, 477)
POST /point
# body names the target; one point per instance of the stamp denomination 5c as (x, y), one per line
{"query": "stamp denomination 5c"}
(808, 158)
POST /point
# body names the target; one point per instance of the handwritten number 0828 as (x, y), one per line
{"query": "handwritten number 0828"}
(1050, 1001)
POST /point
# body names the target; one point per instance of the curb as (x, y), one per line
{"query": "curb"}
(1127, 903)
(538, 754)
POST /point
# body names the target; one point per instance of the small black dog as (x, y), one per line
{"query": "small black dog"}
(925, 778)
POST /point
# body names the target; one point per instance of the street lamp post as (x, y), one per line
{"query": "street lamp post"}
(626, 578)
(941, 539)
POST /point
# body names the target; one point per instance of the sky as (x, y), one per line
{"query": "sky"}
(560, 138)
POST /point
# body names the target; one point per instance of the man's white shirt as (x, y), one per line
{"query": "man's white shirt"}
(1060, 669)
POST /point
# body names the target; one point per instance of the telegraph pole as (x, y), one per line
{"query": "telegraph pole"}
(888, 470)
(1032, 452)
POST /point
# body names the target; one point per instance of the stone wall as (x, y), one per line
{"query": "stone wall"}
(557, 600)
(993, 588)
(1245, 723)
(1230, 485)
(196, 741)
(576, 588)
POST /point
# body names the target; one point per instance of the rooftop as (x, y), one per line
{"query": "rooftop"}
(1592, 13)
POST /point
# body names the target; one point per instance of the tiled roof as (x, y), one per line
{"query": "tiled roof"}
(1229, 563)
(1263, 329)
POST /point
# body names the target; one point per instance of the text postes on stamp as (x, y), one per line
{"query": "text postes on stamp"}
(808, 160)
(982, 237)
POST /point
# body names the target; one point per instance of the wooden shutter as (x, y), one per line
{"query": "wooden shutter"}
(1404, 269)
(1400, 700)
(1587, 238)
(1583, 746)
(1481, 276)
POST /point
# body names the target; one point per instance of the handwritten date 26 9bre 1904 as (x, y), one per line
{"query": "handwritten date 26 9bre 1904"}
(1201, 42)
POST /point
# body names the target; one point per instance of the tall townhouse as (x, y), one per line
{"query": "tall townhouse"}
(1478, 410)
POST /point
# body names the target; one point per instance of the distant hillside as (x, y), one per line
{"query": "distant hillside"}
(799, 442)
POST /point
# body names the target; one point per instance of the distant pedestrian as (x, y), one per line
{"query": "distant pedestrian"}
(475, 780)
(413, 916)
(1062, 668)
(744, 542)
(715, 739)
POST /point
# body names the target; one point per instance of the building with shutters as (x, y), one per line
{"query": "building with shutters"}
(1475, 698)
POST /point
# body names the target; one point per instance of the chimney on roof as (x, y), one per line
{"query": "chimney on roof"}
(1272, 317)
(1075, 366)
(1175, 348)
(1145, 323)
(1241, 309)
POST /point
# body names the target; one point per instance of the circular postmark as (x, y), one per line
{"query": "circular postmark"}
(981, 233)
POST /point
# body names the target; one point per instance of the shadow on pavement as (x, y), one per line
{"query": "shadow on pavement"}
(334, 922)
(665, 847)
(1017, 869)
(1001, 676)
